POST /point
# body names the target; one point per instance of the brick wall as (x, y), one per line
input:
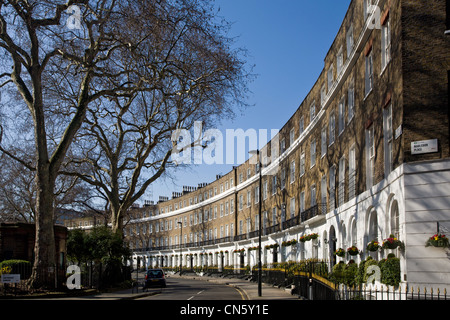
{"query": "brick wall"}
(426, 61)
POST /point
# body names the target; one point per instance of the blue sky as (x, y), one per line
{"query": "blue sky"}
(287, 41)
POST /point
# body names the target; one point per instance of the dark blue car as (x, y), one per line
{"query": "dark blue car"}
(154, 278)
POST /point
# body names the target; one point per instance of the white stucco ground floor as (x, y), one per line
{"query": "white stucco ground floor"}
(412, 204)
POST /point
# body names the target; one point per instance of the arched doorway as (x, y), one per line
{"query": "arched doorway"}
(332, 246)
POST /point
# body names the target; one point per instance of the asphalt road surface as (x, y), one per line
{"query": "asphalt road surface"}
(187, 289)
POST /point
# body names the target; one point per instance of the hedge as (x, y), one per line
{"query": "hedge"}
(21, 267)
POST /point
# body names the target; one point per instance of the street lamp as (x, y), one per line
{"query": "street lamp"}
(257, 153)
(181, 248)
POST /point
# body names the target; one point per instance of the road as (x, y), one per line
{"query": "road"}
(187, 289)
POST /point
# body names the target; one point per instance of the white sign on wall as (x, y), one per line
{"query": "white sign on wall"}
(425, 146)
(10, 278)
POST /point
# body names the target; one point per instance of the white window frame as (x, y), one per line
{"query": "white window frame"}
(302, 201)
(313, 200)
(324, 145)
(332, 184)
(385, 44)
(302, 164)
(369, 76)
(292, 208)
(323, 189)
(332, 127)
(313, 153)
(370, 158)
(351, 102)
(292, 172)
(341, 188)
(323, 95)
(291, 137)
(302, 125)
(341, 116)
(352, 172)
(312, 112)
(388, 139)
(339, 62)
(330, 77)
(350, 41)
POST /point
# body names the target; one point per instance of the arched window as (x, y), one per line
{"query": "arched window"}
(353, 233)
(395, 219)
(343, 243)
(373, 231)
(373, 226)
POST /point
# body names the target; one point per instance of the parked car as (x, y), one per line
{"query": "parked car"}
(155, 278)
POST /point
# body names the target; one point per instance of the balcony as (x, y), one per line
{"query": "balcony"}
(318, 210)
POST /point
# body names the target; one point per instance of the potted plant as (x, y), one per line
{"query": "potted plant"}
(438, 240)
(392, 243)
(353, 251)
(340, 252)
(373, 245)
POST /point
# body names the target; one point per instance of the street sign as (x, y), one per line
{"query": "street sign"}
(425, 146)
(10, 278)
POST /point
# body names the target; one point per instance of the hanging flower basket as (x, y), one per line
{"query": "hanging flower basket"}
(340, 252)
(438, 240)
(392, 243)
(313, 236)
(289, 243)
(304, 238)
(353, 251)
(373, 245)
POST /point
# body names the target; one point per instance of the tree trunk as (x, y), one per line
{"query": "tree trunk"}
(116, 221)
(44, 267)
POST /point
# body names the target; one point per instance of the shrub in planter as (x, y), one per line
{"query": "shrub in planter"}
(21, 267)
(350, 273)
(337, 273)
(390, 271)
(361, 276)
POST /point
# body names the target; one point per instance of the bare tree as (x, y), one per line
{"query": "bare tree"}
(191, 74)
(54, 71)
(18, 193)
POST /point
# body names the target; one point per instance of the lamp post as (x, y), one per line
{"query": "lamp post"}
(257, 152)
(181, 245)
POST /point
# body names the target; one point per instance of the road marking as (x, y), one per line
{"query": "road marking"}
(200, 292)
(243, 294)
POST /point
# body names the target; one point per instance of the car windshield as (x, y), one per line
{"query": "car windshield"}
(154, 274)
